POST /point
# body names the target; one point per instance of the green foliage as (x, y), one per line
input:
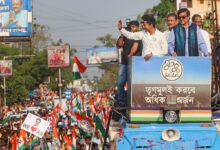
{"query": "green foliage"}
(16, 88)
(109, 78)
(30, 74)
(161, 11)
(107, 40)
(7, 51)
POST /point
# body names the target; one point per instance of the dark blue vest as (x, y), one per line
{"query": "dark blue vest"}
(180, 39)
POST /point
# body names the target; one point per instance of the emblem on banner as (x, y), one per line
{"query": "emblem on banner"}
(85, 125)
(172, 69)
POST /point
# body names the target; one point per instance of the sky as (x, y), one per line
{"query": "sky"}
(80, 22)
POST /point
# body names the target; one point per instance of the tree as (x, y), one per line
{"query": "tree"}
(107, 40)
(109, 77)
(27, 75)
(160, 12)
(41, 37)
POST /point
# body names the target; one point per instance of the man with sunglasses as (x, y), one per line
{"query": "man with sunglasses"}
(154, 41)
(186, 38)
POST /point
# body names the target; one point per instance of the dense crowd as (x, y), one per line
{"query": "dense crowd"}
(65, 131)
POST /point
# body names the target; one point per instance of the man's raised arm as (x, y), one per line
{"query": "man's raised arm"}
(129, 35)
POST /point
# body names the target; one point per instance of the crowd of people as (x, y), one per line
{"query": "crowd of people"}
(82, 122)
(81, 126)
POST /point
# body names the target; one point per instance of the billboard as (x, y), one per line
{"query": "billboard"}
(5, 67)
(102, 55)
(15, 18)
(58, 56)
(170, 83)
(181, 81)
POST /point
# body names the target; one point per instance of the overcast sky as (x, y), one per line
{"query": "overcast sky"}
(80, 22)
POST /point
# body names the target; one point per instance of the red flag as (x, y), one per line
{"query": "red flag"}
(54, 129)
(14, 141)
(80, 117)
(96, 96)
(69, 141)
(74, 132)
(23, 134)
(81, 67)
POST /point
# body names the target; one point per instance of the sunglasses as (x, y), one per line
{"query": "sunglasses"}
(182, 17)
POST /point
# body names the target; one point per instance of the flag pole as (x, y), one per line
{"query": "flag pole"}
(92, 138)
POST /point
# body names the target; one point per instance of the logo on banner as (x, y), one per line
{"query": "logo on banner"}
(172, 69)
(85, 126)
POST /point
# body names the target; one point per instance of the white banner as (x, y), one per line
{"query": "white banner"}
(35, 125)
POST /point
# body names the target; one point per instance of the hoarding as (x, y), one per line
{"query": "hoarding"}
(6, 68)
(170, 83)
(58, 56)
(15, 18)
(181, 81)
(102, 55)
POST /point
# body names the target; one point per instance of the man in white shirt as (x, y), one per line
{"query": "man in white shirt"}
(154, 41)
(172, 21)
(197, 19)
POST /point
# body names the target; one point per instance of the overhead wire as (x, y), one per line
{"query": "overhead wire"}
(64, 12)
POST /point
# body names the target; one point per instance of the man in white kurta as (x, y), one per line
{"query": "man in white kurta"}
(197, 19)
(154, 41)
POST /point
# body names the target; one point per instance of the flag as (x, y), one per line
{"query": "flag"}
(74, 138)
(99, 124)
(85, 124)
(14, 141)
(67, 140)
(77, 103)
(33, 142)
(78, 68)
(23, 134)
(6, 120)
(80, 117)
(21, 145)
(54, 129)
(72, 117)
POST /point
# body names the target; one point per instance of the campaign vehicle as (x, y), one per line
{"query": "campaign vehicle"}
(169, 105)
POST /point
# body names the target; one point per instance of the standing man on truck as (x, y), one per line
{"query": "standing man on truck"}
(129, 48)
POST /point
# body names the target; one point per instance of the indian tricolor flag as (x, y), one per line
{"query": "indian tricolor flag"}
(78, 68)
(74, 138)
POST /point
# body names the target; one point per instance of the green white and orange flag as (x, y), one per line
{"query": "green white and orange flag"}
(74, 138)
(78, 68)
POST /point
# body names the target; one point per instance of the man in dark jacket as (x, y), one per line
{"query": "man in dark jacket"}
(130, 48)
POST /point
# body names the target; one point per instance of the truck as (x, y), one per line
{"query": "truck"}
(170, 105)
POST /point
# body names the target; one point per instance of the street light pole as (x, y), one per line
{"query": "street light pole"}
(60, 86)
(4, 80)
(4, 92)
